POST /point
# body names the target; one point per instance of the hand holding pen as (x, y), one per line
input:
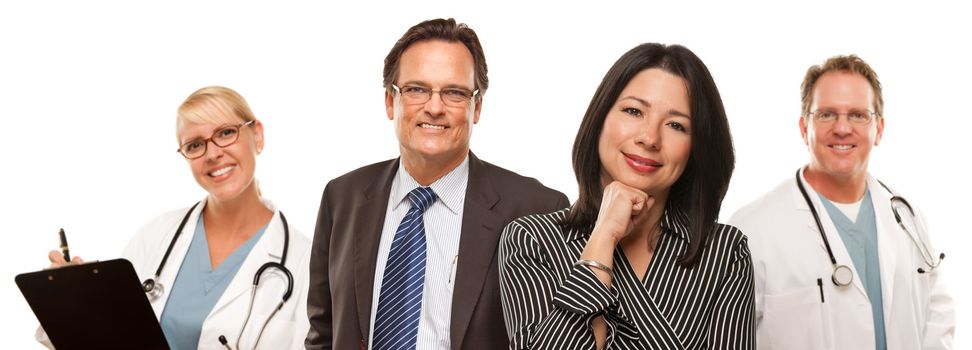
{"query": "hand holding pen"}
(62, 256)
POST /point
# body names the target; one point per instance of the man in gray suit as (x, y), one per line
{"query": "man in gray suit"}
(404, 254)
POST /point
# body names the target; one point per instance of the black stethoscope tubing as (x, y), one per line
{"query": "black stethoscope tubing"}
(843, 275)
(154, 289)
(919, 243)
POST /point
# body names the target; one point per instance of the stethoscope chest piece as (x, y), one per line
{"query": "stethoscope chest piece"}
(843, 276)
(153, 290)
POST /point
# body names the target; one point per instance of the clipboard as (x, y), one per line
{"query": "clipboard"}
(98, 305)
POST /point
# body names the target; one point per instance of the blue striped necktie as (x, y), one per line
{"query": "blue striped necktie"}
(400, 299)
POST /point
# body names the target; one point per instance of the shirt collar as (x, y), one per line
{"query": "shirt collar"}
(450, 189)
(675, 222)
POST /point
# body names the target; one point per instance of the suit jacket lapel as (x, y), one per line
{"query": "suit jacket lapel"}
(369, 217)
(481, 228)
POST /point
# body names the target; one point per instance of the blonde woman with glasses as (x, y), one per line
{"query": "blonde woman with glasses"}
(199, 263)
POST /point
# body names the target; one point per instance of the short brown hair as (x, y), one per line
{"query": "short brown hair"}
(438, 29)
(848, 64)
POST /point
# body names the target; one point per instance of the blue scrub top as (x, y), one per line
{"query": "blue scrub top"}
(860, 239)
(198, 287)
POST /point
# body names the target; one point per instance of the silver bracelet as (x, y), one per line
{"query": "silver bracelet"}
(594, 264)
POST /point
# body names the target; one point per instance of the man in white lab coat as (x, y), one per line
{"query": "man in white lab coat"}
(866, 281)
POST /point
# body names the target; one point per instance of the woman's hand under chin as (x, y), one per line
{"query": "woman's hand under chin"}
(622, 208)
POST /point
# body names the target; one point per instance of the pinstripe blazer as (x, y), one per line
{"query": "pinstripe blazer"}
(549, 302)
(345, 250)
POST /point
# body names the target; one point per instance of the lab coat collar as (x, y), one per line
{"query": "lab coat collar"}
(272, 241)
(178, 254)
(830, 230)
(888, 234)
(270, 245)
(274, 232)
(268, 248)
(889, 241)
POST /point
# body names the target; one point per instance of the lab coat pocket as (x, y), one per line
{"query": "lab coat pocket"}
(794, 320)
(278, 328)
(279, 333)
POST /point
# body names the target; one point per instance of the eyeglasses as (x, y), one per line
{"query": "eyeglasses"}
(452, 97)
(855, 117)
(222, 137)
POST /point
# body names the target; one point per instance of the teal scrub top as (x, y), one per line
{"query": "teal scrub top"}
(198, 287)
(860, 239)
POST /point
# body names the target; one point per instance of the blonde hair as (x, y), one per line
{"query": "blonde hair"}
(213, 105)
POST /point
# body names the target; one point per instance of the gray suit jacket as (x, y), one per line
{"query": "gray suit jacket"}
(345, 250)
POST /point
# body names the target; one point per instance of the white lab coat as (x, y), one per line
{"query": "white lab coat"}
(286, 330)
(789, 256)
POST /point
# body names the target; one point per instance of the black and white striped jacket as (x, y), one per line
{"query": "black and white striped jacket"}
(549, 303)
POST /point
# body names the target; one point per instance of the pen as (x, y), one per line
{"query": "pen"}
(820, 285)
(64, 246)
(452, 271)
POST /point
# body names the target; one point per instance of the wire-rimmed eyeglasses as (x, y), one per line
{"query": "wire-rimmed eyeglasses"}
(859, 117)
(453, 97)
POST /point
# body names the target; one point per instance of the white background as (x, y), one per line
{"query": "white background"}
(88, 93)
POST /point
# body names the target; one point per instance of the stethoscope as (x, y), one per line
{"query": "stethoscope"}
(843, 275)
(154, 289)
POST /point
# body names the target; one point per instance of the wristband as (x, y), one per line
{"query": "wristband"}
(595, 264)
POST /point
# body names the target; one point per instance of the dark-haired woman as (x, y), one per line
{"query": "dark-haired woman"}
(638, 262)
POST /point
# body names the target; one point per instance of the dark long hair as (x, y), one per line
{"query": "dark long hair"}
(698, 193)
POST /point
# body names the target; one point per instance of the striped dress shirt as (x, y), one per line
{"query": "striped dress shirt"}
(549, 303)
(443, 223)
